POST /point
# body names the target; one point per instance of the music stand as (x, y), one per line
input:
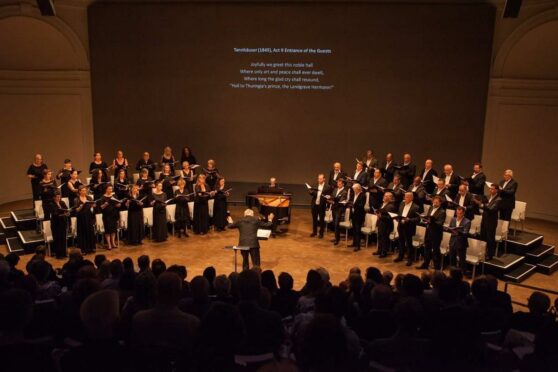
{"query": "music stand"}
(236, 249)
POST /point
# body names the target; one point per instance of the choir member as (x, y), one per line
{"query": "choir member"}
(451, 179)
(201, 210)
(97, 184)
(370, 162)
(427, 176)
(508, 188)
(436, 217)
(477, 180)
(211, 174)
(48, 187)
(385, 224)
(121, 185)
(357, 203)
(440, 191)
(98, 163)
(168, 158)
(220, 212)
(318, 205)
(188, 175)
(408, 218)
(388, 168)
(73, 185)
(145, 183)
(360, 176)
(86, 239)
(465, 199)
(407, 171)
(419, 193)
(158, 202)
(187, 156)
(146, 163)
(120, 163)
(335, 174)
(35, 174)
(64, 176)
(182, 214)
(168, 179)
(109, 207)
(397, 190)
(490, 207)
(376, 187)
(59, 225)
(338, 205)
(136, 227)
(459, 241)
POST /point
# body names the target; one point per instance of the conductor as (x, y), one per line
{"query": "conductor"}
(248, 227)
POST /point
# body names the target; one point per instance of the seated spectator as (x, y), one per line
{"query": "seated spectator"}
(537, 317)
(314, 286)
(158, 267)
(379, 321)
(209, 273)
(48, 288)
(198, 304)
(13, 259)
(113, 281)
(285, 300)
(222, 287)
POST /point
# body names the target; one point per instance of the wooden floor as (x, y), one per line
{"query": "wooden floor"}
(294, 252)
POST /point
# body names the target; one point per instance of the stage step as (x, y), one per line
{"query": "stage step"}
(15, 246)
(520, 273)
(548, 265)
(30, 239)
(539, 253)
(504, 262)
(24, 219)
(8, 227)
(523, 242)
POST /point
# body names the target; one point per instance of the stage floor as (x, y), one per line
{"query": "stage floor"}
(294, 252)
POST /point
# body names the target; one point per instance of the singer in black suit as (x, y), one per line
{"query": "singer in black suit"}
(408, 218)
(338, 205)
(477, 180)
(419, 193)
(407, 171)
(388, 168)
(335, 174)
(465, 200)
(508, 188)
(318, 205)
(357, 202)
(376, 187)
(385, 224)
(360, 176)
(436, 217)
(459, 240)
(427, 176)
(490, 208)
(248, 228)
(452, 180)
(397, 190)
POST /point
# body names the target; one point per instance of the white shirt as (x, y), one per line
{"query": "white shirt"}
(356, 175)
(458, 221)
(462, 200)
(414, 188)
(335, 175)
(339, 190)
(425, 173)
(376, 180)
(505, 184)
(433, 210)
(474, 175)
(355, 198)
(448, 178)
(320, 189)
(406, 209)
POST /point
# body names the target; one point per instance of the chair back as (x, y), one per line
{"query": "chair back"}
(444, 245)
(66, 201)
(370, 221)
(171, 212)
(191, 209)
(210, 204)
(347, 217)
(502, 229)
(148, 216)
(123, 222)
(157, 175)
(420, 233)
(476, 224)
(477, 248)
(449, 216)
(39, 212)
(99, 223)
(73, 226)
(518, 213)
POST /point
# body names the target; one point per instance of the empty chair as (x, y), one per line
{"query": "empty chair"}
(99, 225)
(369, 227)
(191, 209)
(171, 212)
(123, 221)
(87, 180)
(394, 235)
(328, 218)
(346, 224)
(73, 228)
(39, 212)
(475, 225)
(148, 218)
(210, 204)
(476, 253)
(450, 213)
(445, 248)
(418, 239)
(518, 215)
(502, 234)
(47, 234)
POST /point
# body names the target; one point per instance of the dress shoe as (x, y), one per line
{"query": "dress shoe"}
(422, 267)
(356, 249)
(383, 255)
(377, 253)
(312, 235)
(321, 236)
(398, 259)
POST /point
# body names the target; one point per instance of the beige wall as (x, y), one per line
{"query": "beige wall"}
(45, 87)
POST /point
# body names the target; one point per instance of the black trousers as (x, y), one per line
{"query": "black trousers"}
(488, 234)
(337, 216)
(357, 234)
(432, 251)
(383, 241)
(405, 231)
(505, 213)
(254, 254)
(458, 252)
(318, 216)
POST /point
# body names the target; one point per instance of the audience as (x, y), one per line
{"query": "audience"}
(105, 316)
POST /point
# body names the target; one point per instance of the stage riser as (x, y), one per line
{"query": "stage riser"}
(539, 254)
(520, 273)
(548, 265)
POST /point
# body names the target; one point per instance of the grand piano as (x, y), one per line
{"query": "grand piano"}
(274, 200)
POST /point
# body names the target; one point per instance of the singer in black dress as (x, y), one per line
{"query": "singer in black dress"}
(97, 184)
(86, 239)
(48, 188)
(168, 158)
(187, 173)
(167, 177)
(121, 185)
(72, 187)
(110, 210)
(64, 175)
(220, 206)
(158, 198)
(35, 174)
(98, 163)
(211, 174)
(145, 183)
(201, 209)
(182, 214)
(120, 163)
(59, 226)
(136, 227)
(187, 156)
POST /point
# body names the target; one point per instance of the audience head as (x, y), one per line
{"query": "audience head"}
(249, 285)
(538, 303)
(388, 277)
(482, 290)
(200, 288)
(128, 264)
(12, 259)
(158, 267)
(143, 262)
(145, 290)
(408, 315)
(314, 282)
(99, 313)
(381, 297)
(412, 286)
(286, 281)
(180, 270)
(269, 281)
(375, 275)
(99, 259)
(169, 288)
(222, 286)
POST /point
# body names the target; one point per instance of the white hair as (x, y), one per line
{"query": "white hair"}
(248, 212)
(357, 186)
